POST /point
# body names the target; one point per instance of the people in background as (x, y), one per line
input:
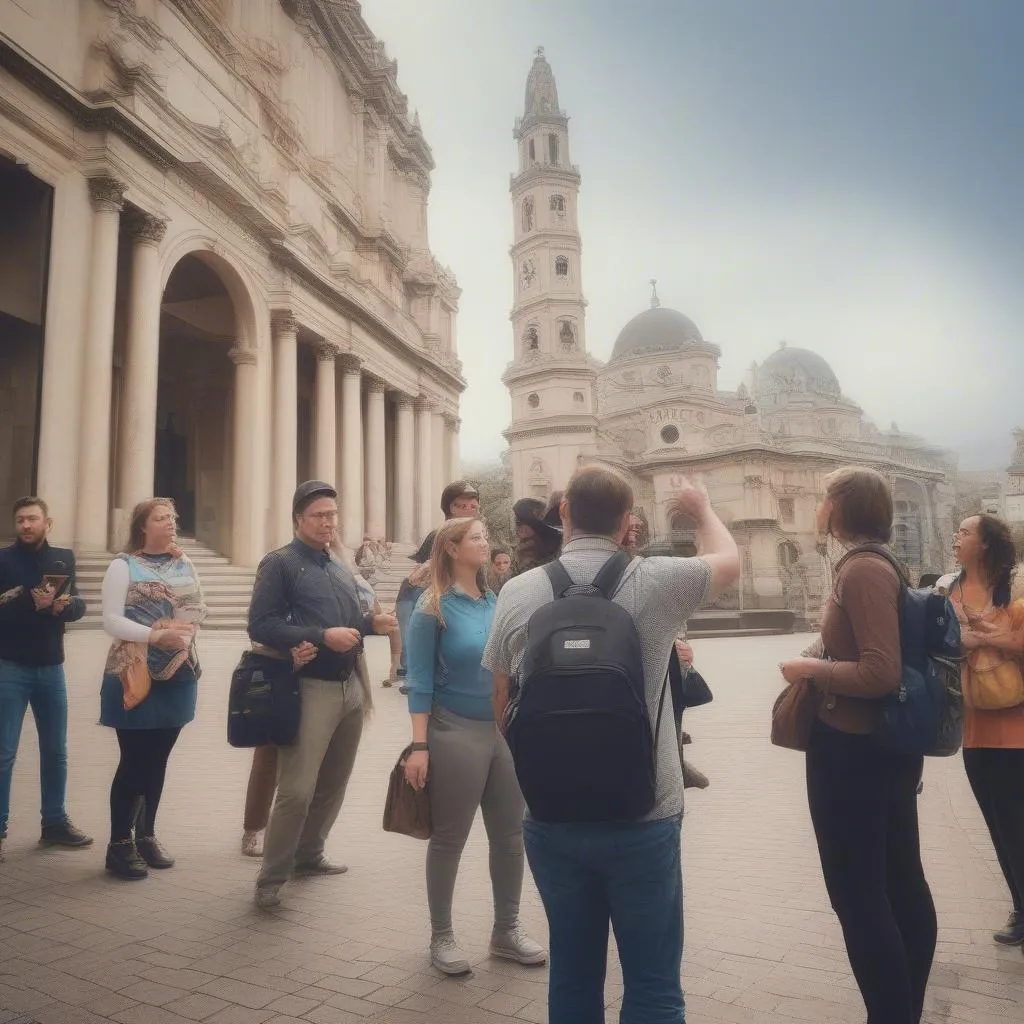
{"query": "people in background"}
(152, 607)
(538, 532)
(459, 499)
(498, 570)
(38, 598)
(457, 747)
(303, 594)
(862, 796)
(992, 635)
(625, 874)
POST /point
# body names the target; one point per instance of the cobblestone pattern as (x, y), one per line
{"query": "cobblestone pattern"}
(762, 946)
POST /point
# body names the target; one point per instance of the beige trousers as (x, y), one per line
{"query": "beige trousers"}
(312, 776)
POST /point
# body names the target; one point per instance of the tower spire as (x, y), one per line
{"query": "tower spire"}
(655, 301)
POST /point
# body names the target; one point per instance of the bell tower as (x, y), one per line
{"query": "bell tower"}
(551, 379)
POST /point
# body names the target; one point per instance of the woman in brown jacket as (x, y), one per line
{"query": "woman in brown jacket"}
(862, 796)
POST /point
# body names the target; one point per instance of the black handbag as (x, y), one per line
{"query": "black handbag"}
(695, 690)
(264, 701)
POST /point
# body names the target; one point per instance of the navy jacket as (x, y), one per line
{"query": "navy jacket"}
(27, 637)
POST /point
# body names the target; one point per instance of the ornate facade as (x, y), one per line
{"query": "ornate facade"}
(216, 272)
(656, 409)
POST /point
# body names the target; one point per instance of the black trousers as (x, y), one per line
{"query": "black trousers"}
(139, 777)
(997, 779)
(864, 810)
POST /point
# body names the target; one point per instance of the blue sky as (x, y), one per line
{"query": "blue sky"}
(845, 176)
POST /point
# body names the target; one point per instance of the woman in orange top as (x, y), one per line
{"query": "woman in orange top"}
(993, 740)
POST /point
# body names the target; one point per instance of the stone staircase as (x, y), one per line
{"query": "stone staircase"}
(226, 587)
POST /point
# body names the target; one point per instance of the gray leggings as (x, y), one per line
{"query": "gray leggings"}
(471, 767)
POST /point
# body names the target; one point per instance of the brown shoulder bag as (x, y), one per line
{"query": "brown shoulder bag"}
(406, 810)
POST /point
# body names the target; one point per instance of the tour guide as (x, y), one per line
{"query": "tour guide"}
(303, 594)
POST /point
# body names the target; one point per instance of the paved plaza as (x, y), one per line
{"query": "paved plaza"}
(762, 947)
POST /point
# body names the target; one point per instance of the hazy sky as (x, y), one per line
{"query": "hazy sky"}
(846, 176)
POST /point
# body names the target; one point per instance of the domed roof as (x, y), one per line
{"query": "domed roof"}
(796, 371)
(658, 330)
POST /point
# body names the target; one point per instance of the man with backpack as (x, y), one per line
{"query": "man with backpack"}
(587, 641)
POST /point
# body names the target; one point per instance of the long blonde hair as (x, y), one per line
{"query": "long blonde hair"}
(441, 575)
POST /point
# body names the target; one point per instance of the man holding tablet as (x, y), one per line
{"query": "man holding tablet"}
(38, 597)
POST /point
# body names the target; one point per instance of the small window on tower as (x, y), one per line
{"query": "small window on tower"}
(558, 205)
(531, 341)
(553, 149)
(787, 511)
(533, 400)
(562, 267)
(533, 153)
(567, 336)
(577, 397)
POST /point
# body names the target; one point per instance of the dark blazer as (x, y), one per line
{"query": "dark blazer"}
(27, 637)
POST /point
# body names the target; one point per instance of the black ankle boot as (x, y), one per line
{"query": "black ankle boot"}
(1013, 933)
(153, 853)
(123, 860)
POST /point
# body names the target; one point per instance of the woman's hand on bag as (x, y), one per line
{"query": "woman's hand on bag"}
(176, 638)
(303, 654)
(796, 669)
(684, 651)
(416, 766)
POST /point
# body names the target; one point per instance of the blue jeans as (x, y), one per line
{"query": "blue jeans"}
(631, 876)
(43, 689)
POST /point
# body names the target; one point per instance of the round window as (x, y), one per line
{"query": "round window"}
(533, 400)
(670, 433)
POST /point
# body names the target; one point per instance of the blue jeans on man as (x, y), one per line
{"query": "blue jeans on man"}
(42, 689)
(626, 875)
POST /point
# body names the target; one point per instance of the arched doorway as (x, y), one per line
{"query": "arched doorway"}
(25, 218)
(195, 397)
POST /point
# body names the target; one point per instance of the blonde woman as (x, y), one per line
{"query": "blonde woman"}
(457, 747)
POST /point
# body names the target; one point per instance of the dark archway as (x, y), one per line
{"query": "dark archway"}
(26, 209)
(194, 400)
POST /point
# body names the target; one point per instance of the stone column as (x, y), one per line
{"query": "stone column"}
(136, 448)
(324, 460)
(376, 462)
(424, 489)
(438, 463)
(107, 197)
(453, 423)
(405, 468)
(284, 469)
(351, 490)
(243, 460)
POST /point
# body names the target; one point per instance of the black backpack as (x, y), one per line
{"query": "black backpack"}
(578, 726)
(264, 701)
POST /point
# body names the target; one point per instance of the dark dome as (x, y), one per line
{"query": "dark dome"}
(796, 371)
(658, 330)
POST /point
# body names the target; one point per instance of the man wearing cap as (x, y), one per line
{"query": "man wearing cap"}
(303, 594)
(538, 532)
(458, 500)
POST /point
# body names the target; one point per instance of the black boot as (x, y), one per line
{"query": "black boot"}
(123, 860)
(1013, 933)
(153, 853)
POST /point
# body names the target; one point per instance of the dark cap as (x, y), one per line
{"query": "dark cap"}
(545, 523)
(308, 490)
(527, 508)
(456, 489)
(422, 554)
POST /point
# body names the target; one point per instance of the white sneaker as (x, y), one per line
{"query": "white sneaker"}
(252, 843)
(515, 944)
(446, 955)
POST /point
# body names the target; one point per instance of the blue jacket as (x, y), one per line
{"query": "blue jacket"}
(444, 664)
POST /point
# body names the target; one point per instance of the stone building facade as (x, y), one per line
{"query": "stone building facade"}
(215, 274)
(656, 409)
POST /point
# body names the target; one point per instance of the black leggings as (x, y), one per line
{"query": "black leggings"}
(864, 809)
(139, 776)
(997, 778)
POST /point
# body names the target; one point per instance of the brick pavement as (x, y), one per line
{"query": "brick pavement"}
(77, 947)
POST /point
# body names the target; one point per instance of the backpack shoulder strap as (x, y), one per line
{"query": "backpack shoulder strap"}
(879, 551)
(607, 579)
(561, 581)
